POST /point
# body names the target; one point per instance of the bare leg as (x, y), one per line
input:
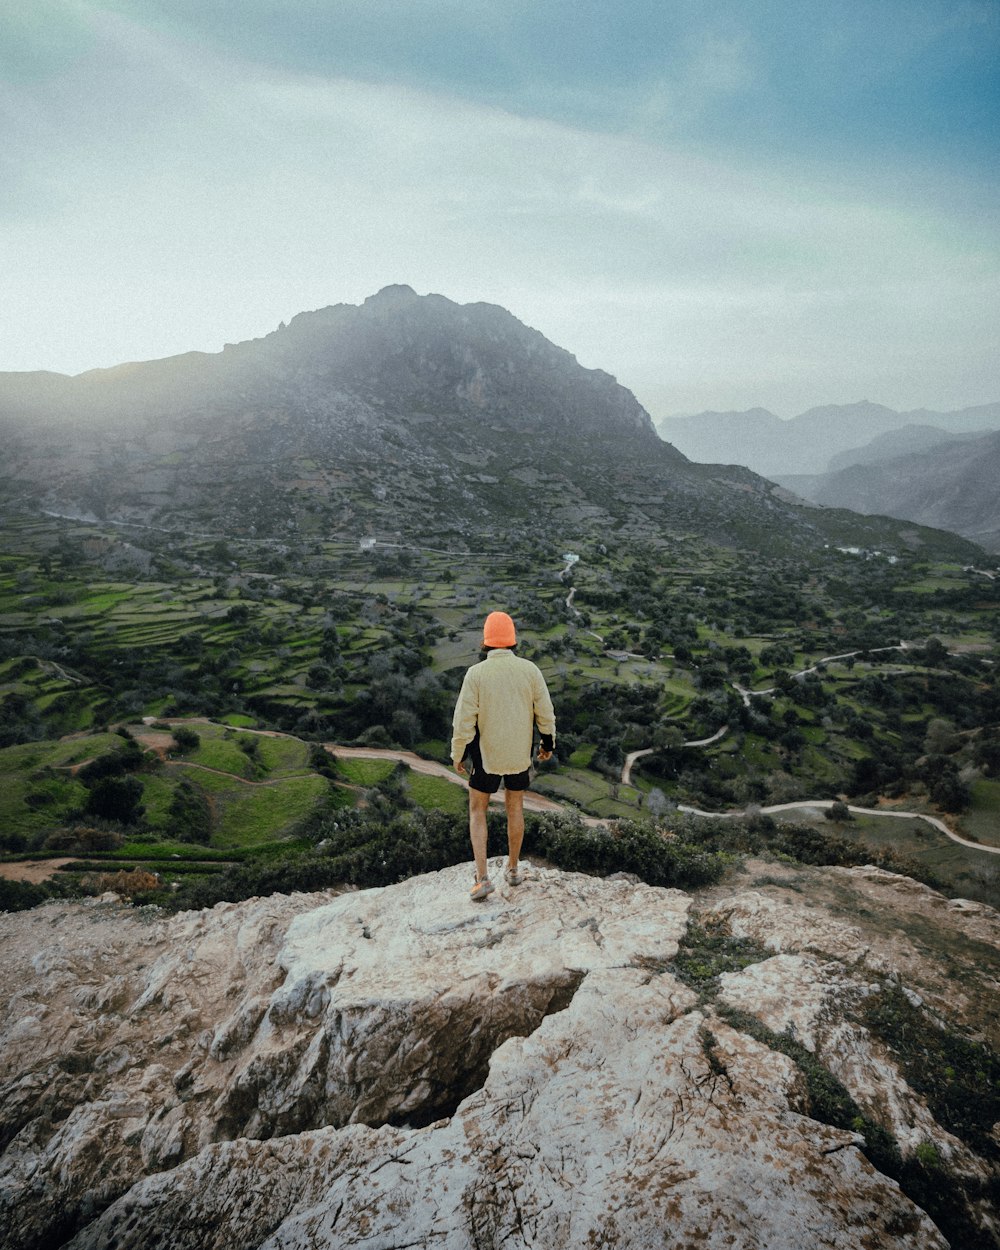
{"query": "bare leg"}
(478, 803)
(514, 802)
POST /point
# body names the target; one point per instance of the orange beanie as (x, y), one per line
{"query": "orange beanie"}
(498, 631)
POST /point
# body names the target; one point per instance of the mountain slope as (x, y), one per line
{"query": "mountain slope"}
(806, 443)
(952, 485)
(908, 439)
(406, 415)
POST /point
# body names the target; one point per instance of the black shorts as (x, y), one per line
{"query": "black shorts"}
(489, 783)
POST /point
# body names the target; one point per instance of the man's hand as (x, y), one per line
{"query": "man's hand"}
(544, 755)
(459, 768)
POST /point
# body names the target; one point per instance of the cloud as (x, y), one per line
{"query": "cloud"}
(172, 197)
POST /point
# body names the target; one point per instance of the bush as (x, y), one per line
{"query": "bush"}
(83, 840)
(186, 738)
(116, 798)
(127, 882)
(21, 895)
(322, 762)
(626, 846)
(189, 814)
(112, 764)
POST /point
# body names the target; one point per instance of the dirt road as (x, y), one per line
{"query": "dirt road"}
(34, 871)
(532, 802)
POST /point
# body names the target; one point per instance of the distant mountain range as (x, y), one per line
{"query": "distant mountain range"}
(818, 440)
(407, 415)
(953, 484)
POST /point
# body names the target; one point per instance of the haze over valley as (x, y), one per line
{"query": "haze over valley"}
(936, 468)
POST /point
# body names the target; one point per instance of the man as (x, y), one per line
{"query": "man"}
(501, 700)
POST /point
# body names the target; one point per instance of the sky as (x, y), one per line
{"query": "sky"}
(726, 205)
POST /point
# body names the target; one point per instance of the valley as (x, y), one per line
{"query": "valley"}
(686, 679)
(238, 595)
(224, 576)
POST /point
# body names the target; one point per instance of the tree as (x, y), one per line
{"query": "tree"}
(935, 652)
(116, 798)
(948, 791)
(186, 738)
(318, 677)
(405, 726)
(189, 814)
(667, 738)
(940, 738)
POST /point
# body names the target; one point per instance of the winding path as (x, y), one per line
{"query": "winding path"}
(747, 695)
(539, 803)
(533, 802)
(822, 804)
(632, 756)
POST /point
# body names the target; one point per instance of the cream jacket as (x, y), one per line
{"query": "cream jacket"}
(503, 696)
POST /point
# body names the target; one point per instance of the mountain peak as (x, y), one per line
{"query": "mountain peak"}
(392, 296)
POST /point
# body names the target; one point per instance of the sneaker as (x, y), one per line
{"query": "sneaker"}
(513, 876)
(480, 889)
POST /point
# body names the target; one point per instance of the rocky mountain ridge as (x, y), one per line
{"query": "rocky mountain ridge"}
(406, 416)
(555, 1067)
(811, 441)
(902, 442)
(951, 485)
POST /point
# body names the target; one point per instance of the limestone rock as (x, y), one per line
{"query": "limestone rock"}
(401, 1066)
(609, 1125)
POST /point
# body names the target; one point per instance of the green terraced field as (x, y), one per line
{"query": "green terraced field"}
(240, 642)
(436, 793)
(982, 820)
(248, 818)
(360, 772)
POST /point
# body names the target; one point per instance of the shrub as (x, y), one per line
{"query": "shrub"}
(322, 762)
(112, 764)
(83, 840)
(626, 846)
(189, 814)
(116, 798)
(127, 882)
(20, 895)
(186, 738)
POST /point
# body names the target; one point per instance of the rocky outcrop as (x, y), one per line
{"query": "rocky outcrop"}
(401, 1067)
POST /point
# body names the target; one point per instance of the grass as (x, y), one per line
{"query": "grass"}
(436, 793)
(982, 820)
(157, 794)
(266, 812)
(38, 793)
(221, 753)
(282, 755)
(19, 816)
(365, 773)
(957, 867)
(40, 769)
